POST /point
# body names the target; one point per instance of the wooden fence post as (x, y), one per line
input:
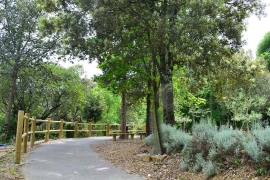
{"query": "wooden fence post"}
(33, 129)
(26, 127)
(19, 137)
(47, 135)
(108, 129)
(90, 129)
(61, 129)
(76, 130)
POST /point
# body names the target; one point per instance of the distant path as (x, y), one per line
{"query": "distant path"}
(72, 159)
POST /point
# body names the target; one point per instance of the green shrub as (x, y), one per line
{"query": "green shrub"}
(149, 140)
(228, 143)
(199, 163)
(210, 169)
(174, 140)
(198, 146)
(252, 148)
(209, 149)
(211, 146)
(257, 146)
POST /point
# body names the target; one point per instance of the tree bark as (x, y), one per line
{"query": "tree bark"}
(159, 146)
(148, 110)
(166, 71)
(9, 107)
(123, 114)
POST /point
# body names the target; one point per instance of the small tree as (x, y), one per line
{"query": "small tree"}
(245, 106)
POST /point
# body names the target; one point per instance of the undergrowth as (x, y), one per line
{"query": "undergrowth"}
(211, 149)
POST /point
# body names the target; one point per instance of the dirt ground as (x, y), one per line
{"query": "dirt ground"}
(8, 169)
(124, 154)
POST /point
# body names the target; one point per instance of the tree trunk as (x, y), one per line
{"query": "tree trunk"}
(123, 114)
(9, 107)
(148, 110)
(166, 71)
(158, 146)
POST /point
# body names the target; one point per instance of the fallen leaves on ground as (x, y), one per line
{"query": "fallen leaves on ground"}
(123, 154)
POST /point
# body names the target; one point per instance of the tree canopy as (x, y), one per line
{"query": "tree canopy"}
(20, 43)
(263, 49)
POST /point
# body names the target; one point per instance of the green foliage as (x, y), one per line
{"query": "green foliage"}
(228, 143)
(149, 140)
(199, 163)
(257, 146)
(263, 49)
(110, 104)
(92, 109)
(69, 127)
(202, 136)
(209, 148)
(21, 47)
(50, 90)
(173, 140)
(252, 148)
(261, 171)
(210, 169)
(245, 106)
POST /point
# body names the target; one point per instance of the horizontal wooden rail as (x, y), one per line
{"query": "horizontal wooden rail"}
(55, 121)
(54, 130)
(83, 130)
(40, 131)
(39, 120)
(69, 122)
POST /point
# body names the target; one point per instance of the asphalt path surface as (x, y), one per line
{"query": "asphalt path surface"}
(72, 159)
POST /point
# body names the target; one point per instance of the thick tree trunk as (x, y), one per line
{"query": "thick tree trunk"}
(9, 107)
(123, 114)
(166, 71)
(167, 100)
(148, 110)
(159, 149)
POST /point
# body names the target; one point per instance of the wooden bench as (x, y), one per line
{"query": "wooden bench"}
(142, 135)
(114, 134)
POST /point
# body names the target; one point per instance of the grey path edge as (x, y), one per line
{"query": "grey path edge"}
(72, 159)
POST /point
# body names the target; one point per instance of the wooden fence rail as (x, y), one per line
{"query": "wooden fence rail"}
(24, 121)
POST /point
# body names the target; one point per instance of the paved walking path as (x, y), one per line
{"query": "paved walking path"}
(72, 159)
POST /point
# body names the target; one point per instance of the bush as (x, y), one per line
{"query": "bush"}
(198, 146)
(174, 140)
(210, 148)
(210, 169)
(199, 163)
(149, 140)
(257, 146)
(252, 148)
(228, 143)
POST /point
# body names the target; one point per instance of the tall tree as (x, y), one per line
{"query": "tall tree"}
(20, 44)
(178, 32)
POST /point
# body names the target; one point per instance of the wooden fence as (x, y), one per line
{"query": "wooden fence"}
(25, 123)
